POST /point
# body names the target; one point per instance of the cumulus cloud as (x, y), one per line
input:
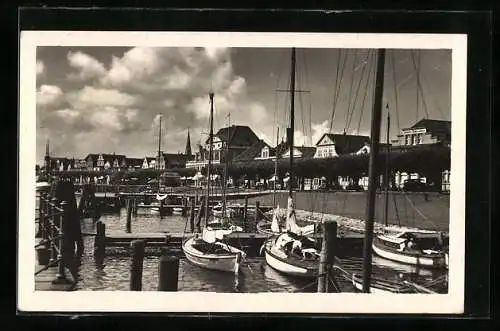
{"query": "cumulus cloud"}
(49, 95)
(86, 66)
(117, 109)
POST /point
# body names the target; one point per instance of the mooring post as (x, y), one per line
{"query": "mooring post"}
(42, 229)
(191, 215)
(245, 211)
(327, 256)
(128, 225)
(100, 240)
(136, 265)
(168, 272)
(61, 274)
(184, 206)
(257, 216)
(134, 206)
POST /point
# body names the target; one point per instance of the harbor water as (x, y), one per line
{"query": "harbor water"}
(114, 272)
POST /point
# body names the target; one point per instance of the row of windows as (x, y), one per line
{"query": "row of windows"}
(326, 152)
(414, 139)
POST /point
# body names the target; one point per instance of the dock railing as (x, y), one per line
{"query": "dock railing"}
(51, 216)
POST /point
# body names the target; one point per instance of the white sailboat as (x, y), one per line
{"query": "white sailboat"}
(208, 249)
(291, 252)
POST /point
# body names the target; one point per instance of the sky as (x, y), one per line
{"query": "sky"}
(109, 99)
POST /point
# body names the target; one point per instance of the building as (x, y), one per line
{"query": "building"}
(134, 163)
(332, 145)
(425, 131)
(300, 151)
(104, 161)
(227, 143)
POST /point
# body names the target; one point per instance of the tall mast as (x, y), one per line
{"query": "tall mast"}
(159, 156)
(276, 165)
(372, 174)
(210, 148)
(387, 170)
(226, 160)
(292, 120)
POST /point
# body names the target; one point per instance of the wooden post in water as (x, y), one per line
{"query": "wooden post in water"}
(42, 229)
(128, 225)
(191, 215)
(257, 216)
(184, 206)
(245, 211)
(136, 264)
(168, 272)
(100, 240)
(327, 256)
(134, 205)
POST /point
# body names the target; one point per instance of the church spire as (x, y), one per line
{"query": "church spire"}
(188, 145)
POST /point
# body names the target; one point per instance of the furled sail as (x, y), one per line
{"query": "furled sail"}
(275, 224)
(291, 218)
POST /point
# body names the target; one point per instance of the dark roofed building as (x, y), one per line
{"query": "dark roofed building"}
(258, 151)
(331, 145)
(237, 135)
(178, 160)
(426, 131)
(300, 151)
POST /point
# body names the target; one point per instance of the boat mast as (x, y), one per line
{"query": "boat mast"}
(387, 170)
(372, 175)
(210, 138)
(159, 156)
(225, 167)
(292, 120)
(276, 166)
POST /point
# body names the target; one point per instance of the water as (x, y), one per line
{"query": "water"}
(256, 276)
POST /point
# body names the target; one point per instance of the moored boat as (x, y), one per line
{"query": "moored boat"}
(428, 252)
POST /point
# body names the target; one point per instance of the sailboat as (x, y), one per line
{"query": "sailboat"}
(291, 252)
(208, 249)
(159, 197)
(419, 248)
(221, 213)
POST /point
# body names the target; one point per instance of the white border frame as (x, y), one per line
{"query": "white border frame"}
(124, 301)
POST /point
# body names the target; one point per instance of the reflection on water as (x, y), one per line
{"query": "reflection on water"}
(112, 273)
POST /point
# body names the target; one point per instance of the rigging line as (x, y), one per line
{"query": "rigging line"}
(348, 109)
(417, 68)
(306, 73)
(438, 106)
(332, 98)
(338, 87)
(370, 74)
(394, 79)
(357, 90)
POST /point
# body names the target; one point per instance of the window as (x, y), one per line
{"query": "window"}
(419, 138)
(407, 139)
(265, 153)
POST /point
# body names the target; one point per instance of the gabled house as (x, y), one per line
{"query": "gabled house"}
(300, 151)
(173, 160)
(331, 145)
(134, 163)
(148, 162)
(227, 143)
(104, 161)
(258, 151)
(425, 131)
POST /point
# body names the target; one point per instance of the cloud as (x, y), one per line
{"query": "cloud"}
(117, 109)
(318, 129)
(90, 96)
(40, 68)
(49, 95)
(87, 66)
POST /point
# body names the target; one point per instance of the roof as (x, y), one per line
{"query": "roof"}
(132, 161)
(252, 152)
(346, 143)
(176, 157)
(435, 127)
(307, 151)
(239, 135)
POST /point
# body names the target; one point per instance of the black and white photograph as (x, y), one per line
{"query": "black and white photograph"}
(252, 172)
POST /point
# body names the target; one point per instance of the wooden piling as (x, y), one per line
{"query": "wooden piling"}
(327, 256)
(184, 207)
(245, 211)
(134, 207)
(191, 215)
(257, 216)
(136, 264)
(128, 225)
(100, 240)
(53, 231)
(168, 273)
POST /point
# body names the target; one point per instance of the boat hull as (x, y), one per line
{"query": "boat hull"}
(287, 266)
(420, 260)
(229, 262)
